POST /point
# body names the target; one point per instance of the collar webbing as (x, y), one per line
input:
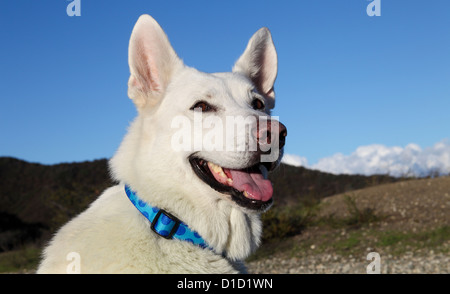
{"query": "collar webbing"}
(163, 223)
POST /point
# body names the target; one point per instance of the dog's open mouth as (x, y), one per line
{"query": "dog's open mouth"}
(248, 187)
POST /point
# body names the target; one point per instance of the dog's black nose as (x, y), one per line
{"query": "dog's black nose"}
(283, 134)
(265, 134)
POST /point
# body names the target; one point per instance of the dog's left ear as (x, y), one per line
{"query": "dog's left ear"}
(152, 62)
(259, 62)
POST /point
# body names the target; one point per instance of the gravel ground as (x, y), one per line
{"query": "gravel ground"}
(333, 264)
(407, 207)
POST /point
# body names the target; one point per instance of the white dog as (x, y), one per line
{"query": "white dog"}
(181, 209)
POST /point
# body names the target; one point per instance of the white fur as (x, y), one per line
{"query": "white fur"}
(111, 236)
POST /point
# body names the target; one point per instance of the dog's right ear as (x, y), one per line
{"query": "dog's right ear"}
(259, 63)
(152, 62)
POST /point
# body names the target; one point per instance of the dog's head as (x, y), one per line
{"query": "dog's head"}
(204, 135)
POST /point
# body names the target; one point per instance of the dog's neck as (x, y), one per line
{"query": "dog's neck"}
(165, 224)
(227, 229)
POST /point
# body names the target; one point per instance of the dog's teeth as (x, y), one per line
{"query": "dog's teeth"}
(246, 194)
(217, 169)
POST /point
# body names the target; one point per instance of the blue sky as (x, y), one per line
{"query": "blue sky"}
(345, 79)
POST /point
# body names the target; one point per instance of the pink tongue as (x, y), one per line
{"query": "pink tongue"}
(256, 186)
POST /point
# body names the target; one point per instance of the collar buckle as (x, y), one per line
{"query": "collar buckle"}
(165, 224)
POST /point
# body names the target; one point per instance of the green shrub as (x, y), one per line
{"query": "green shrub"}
(287, 221)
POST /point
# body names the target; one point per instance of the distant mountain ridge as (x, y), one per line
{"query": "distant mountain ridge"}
(36, 199)
(33, 191)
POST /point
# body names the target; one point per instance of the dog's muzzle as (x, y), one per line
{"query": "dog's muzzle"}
(248, 186)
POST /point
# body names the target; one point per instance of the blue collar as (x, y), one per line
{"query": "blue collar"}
(163, 223)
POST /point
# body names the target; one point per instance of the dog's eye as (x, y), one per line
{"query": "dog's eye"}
(203, 106)
(257, 104)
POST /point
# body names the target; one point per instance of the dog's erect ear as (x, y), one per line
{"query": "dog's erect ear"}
(152, 62)
(259, 62)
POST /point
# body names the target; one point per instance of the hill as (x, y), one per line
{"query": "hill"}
(416, 205)
(293, 184)
(407, 223)
(36, 199)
